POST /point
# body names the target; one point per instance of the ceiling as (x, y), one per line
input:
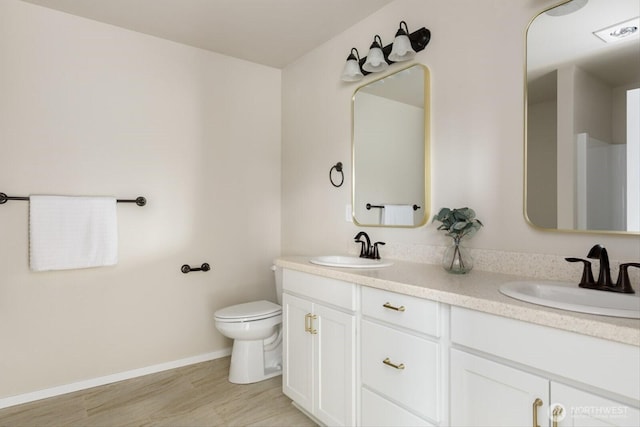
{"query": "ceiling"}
(269, 32)
(553, 41)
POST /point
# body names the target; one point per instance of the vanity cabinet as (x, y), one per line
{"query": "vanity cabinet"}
(360, 356)
(505, 372)
(400, 362)
(319, 346)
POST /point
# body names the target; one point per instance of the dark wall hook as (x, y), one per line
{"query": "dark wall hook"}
(186, 268)
(338, 168)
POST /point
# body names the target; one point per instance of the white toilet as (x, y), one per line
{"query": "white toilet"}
(256, 328)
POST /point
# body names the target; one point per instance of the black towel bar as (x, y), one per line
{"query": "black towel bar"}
(369, 206)
(140, 201)
(187, 268)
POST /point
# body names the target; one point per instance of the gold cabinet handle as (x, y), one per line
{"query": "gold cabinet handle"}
(557, 411)
(312, 330)
(388, 362)
(536, 404)
(307, 322)
(391, 307)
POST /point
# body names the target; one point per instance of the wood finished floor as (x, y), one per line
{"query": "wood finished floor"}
(196, 395)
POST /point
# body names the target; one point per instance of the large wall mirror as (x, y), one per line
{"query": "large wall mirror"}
(582, 142)
(390, 150)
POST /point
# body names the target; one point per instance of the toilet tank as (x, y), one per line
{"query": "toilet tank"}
(277, 271)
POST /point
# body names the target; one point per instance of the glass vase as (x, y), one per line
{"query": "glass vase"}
(456, 258)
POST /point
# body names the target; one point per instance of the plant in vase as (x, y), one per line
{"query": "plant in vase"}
(458, 223)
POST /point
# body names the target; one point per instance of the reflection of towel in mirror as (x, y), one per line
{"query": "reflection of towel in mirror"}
(397, 215)
(72, 232)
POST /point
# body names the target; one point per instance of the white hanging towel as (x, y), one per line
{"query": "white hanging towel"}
(397, 215)
(67, 232)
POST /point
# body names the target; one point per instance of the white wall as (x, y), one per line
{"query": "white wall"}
(91, 109)
(476, 58)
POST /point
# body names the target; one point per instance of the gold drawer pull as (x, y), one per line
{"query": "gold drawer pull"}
(536, 404)
(391, 307)
(388, 362)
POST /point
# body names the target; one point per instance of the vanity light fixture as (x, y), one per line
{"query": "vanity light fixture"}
(403, 48)
(376, 60)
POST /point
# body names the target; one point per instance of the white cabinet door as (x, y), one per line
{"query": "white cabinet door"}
(297, 354)
(582, 409)
(335, 366)
(485, 393)
(319, 360)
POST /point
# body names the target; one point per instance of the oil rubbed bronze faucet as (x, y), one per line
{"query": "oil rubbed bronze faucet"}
(367, 250)
(604, 282)
(599, 252)
(365, 247)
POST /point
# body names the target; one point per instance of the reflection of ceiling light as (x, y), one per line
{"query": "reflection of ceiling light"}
(623, 31)
(567, 8)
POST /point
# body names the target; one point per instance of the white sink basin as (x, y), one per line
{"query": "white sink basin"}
(568, 296)
(349, 261)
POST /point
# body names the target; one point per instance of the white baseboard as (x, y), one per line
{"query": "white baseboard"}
(108, 379)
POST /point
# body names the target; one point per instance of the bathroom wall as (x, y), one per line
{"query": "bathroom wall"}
(476, 58)
(91, 109)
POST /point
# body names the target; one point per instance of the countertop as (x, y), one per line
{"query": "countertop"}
(477, 290)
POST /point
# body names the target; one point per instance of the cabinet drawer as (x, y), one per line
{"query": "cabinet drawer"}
(412, 313)
(416, 384)
(335, 292)
(379, 412)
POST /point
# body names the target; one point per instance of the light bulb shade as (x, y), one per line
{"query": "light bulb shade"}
(351, 71)
(375, 59)
(401, 49)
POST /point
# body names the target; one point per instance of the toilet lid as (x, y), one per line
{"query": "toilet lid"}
(254, 310)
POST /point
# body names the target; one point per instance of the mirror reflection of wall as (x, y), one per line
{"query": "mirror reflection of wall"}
(390, 150)
(582, 142)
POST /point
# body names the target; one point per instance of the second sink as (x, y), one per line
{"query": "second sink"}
(569, 296)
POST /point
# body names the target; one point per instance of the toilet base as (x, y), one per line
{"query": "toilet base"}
(250, 363)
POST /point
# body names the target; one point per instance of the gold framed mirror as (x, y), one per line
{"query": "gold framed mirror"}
(390, 150)
(582, 104)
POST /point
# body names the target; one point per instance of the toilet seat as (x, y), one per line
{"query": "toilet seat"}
(248, 312)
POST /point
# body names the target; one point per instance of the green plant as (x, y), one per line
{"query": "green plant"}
(458, 223)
